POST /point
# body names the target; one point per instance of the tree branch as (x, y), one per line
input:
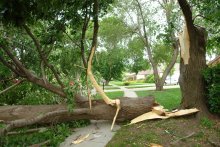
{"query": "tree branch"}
(84, 29)
(185, 7)
(12, 86)
(27, 122)
(15, 60)
(42, 56)
(146, 42)
(10, 66)
(31, 77)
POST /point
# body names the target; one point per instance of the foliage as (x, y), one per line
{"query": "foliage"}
(207, 12)
(110, 64)
(212, 77)
(113, 31)
(135, 55)
(149, 79)
(162, 52)
(56, 134)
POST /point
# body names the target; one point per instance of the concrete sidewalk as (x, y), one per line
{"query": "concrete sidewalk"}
(144, 88)
(127, 92)
(99, 135)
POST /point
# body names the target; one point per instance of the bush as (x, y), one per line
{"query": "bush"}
(149, 79)
(126, 83)
(212, 77)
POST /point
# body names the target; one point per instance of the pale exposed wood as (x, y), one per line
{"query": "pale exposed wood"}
(80, 139)
(158, 114)
(184, 45)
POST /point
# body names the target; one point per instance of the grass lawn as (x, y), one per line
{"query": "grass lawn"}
(169, 98)
(121, 83)
(111, 87)
(174, 132)
(111, 95)
(138, 86)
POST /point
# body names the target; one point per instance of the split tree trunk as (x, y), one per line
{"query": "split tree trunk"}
(191, 80)
(130, 108)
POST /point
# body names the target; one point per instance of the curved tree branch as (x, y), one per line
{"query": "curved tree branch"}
(89, 69)
(31, 77)
(42, 56)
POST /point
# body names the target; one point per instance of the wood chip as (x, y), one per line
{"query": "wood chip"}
(155, 145)
(80, 139)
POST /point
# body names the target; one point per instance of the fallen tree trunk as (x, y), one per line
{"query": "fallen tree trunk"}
(24, 115)
(130, 108)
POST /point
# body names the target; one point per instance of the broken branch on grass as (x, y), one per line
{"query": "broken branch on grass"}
(27, 131)
(40, 144)
(185, 137)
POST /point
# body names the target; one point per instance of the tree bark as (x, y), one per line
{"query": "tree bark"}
(23, 115)
(191, 80)
(130, 108)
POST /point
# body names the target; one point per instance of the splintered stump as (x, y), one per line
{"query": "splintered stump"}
(40, 114)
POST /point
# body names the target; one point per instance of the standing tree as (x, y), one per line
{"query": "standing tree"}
(145, 25)
(191, 80)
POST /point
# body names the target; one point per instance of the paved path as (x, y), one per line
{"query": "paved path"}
(144, 88)
(99, 131)
(99, 135)
(127, 92)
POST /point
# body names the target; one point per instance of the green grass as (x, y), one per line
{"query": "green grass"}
(169, 98)
(110, 87)
(121, 83)
(131, 87)
(111, 95)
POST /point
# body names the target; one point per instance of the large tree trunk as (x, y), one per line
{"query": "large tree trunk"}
(191, 81)
(130, 108)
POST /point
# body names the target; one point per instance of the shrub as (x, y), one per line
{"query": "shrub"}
(126, 83)
(212, 77)
(149, 79)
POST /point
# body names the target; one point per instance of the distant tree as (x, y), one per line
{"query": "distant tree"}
(135, 56)
(145, 26)
(110, 64)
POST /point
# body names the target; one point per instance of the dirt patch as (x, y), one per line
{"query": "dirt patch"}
(175, 132)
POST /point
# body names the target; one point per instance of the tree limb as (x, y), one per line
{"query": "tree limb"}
(185, 7)
(42, 56)
(146, 42)
(26, 122)
(10, 87)
(89, 69)
(84, 29)
(10, 66)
